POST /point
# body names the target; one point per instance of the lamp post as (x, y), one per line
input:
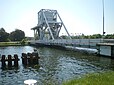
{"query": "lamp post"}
(103, 16)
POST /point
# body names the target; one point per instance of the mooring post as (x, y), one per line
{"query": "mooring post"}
(25, 59)
(16, 60)
(9, 60)
(23, 54)
(35, 60)
(3, 61)
(29, 58)
(35, 57)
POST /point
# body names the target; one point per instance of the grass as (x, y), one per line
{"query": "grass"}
(10, 44)
(105, 78)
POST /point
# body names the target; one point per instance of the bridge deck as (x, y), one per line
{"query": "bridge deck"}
(105, 46)
(69, 42)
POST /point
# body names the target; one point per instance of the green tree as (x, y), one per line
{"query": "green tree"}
(64, 37)
(3, 35)
(95, 36)
(109, 36)
(23, 42)
(17, 35)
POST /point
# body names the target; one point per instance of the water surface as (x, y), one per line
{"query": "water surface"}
(55, 66)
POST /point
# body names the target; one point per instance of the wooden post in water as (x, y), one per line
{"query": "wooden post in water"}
(9, 61)
(28, 57)
(16, 60)
(3, 61)
(31, 59)
(24, 58)
(23, 54)
(35, 58)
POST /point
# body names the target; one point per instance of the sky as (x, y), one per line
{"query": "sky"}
(79, 16)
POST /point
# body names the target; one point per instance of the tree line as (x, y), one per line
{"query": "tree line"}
(94, 36)
(17, 35)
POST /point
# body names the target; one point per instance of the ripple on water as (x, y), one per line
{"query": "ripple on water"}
(55, 66)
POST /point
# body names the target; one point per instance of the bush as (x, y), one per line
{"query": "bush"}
(23, 42)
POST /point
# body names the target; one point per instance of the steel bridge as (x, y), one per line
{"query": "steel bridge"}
(48, 29)
(49, 25)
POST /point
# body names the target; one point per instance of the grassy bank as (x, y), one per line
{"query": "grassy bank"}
(11, 44)
(105, 78)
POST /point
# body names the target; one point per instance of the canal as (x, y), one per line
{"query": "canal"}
(55, 66)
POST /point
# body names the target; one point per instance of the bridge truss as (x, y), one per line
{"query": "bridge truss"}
(49, 25)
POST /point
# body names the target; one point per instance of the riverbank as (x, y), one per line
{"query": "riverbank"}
(12, 44)
(105, 78)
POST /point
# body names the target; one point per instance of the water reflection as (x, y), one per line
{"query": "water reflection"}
(55, 66)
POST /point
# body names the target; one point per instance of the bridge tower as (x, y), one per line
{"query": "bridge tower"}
(49, 25)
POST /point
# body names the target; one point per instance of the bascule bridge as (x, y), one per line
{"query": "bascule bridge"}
(48, 29)
(49, 25)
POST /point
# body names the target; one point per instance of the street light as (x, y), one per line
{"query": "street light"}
(103, 16)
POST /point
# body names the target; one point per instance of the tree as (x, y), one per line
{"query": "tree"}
(17, 35)
(95, 36)
(109, 36)
(2, 29)
(3, 35)
(64, 37)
